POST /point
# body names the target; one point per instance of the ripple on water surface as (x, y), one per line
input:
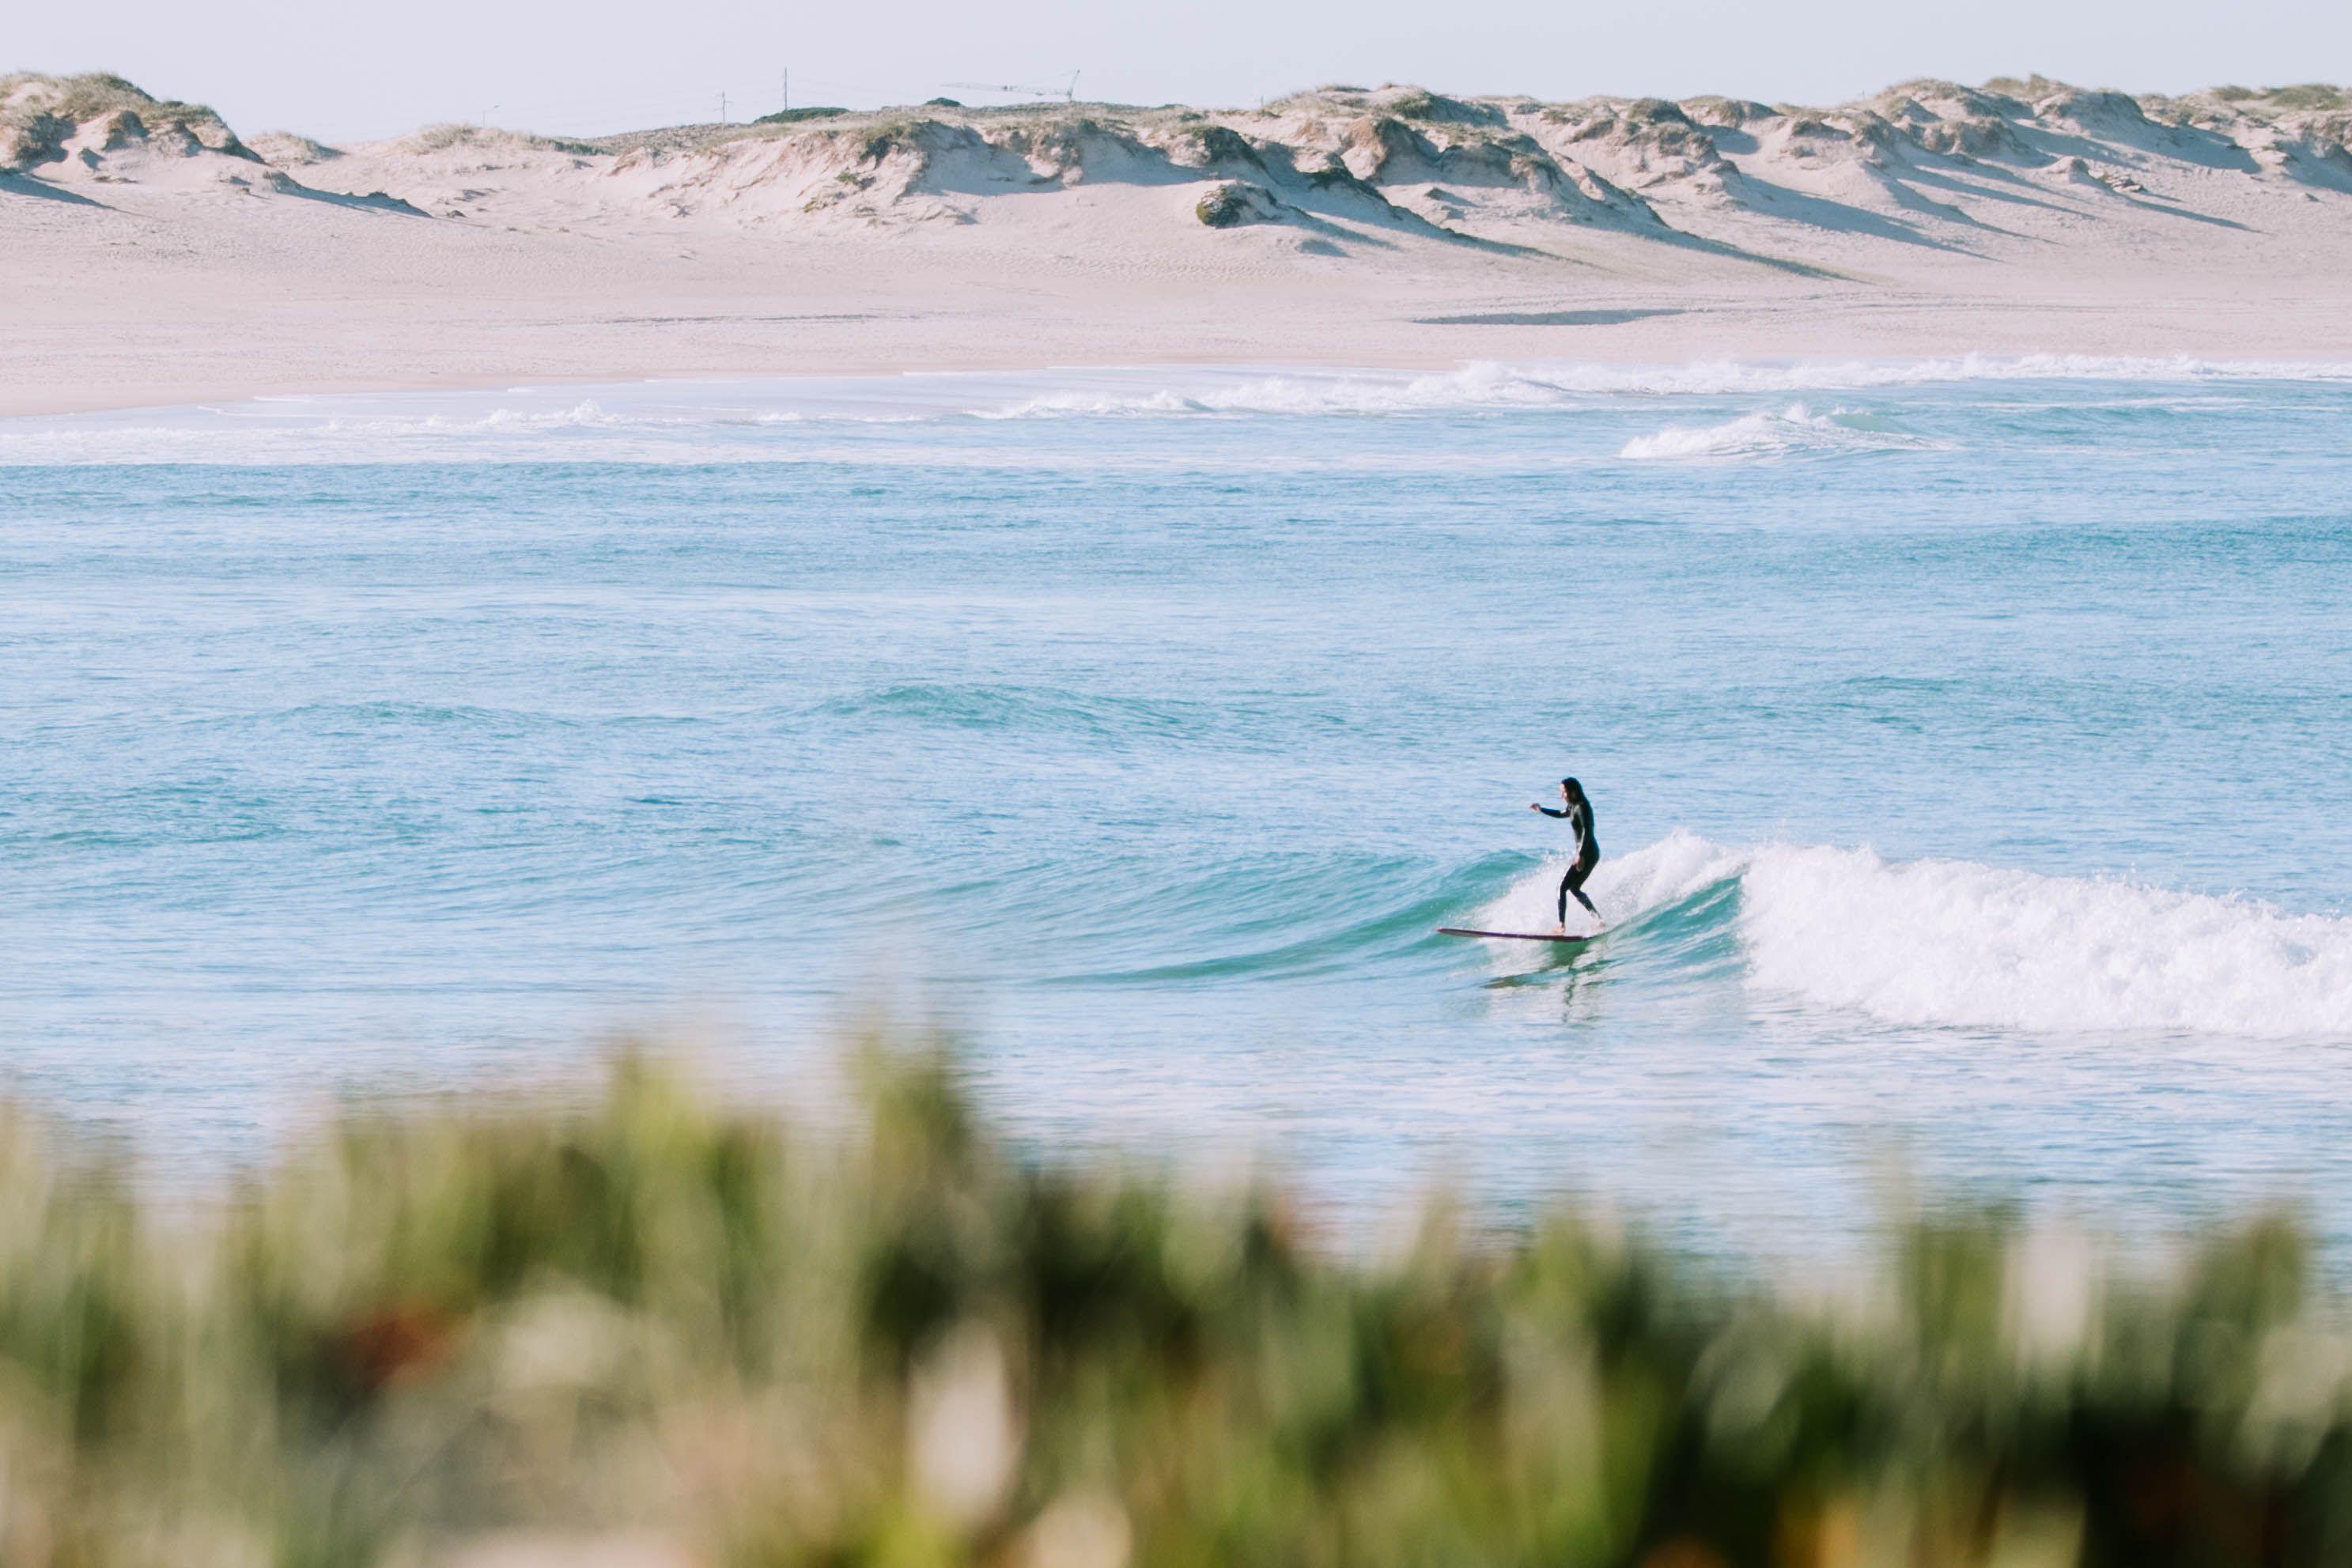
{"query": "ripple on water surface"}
(1969, 741)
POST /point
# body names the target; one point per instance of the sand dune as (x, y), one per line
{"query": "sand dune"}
(175, 259)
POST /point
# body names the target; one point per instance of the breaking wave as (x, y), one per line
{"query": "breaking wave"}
(789, 419)
(1956, 943)
(1489, 385)
(586, 414)
(1793, 432)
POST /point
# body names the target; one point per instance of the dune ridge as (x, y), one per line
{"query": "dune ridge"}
(1476, 168)
(1341, 224)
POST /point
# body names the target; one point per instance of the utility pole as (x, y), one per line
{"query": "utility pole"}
(722, 109)
(788, 89)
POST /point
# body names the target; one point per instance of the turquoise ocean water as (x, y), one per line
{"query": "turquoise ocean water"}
(1972, 744)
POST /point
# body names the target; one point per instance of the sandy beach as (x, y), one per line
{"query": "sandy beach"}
(162, 257)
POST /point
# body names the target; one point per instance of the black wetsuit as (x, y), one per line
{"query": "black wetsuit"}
(1588, 855)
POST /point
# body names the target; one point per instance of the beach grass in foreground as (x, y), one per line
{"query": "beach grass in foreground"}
(700, 1334)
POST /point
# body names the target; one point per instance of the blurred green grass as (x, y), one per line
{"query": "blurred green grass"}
(649, 1319)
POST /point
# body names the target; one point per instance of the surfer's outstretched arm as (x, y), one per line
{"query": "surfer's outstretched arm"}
(1547, 811)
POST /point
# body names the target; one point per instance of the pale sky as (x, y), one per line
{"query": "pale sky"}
(352, 72)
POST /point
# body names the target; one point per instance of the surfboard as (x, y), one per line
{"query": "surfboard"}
(1516, 935)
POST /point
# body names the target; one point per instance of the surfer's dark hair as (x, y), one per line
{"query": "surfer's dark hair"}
(1571, 785)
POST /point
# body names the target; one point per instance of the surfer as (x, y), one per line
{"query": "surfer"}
(1578, 812)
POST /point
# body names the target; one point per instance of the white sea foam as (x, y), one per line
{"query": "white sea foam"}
(1953, 943)
(695, 422)
(1795, 431)
(1082, 404)
(1487, 385)
(1481, 385)
(585, 414)
(1624, 887)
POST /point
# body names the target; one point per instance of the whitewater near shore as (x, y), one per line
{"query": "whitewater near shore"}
(158, 257)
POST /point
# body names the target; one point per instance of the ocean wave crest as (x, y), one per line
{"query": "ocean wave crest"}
(1948, 943)
(701, 422)
(1496, 386)
(1795, 431)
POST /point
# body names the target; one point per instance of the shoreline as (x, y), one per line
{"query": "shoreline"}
(167, 263)
(2269, 361)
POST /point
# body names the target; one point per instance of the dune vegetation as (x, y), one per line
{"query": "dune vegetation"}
(715, 1337)
(38, 114)
(1925, 164)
